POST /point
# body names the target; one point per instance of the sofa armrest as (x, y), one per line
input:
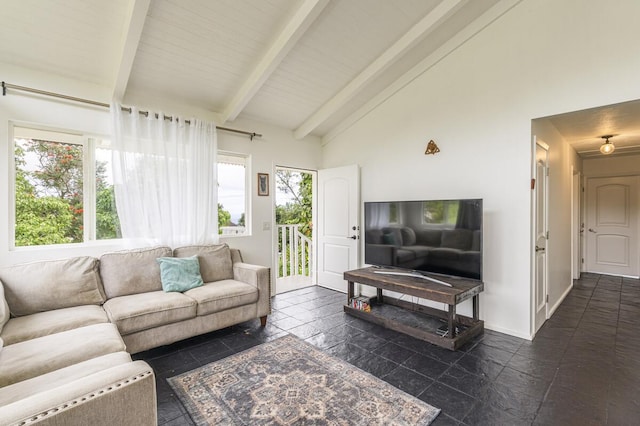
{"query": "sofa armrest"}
(380, 254)
(124, 394)
(257, 276)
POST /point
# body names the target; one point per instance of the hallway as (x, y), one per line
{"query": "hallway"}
(591, 348)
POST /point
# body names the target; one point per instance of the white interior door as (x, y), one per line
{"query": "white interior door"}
(540, 234)
(338, 225)
(612, 225)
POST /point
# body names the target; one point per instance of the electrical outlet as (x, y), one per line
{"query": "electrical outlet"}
(266, 226)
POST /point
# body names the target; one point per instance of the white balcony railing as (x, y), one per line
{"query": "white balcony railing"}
(294, 252)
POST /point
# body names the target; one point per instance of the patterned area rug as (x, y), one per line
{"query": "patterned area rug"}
(288, 381)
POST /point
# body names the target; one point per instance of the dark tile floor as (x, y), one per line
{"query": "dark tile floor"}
(583, 367)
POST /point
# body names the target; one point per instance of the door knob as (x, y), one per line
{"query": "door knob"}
(353, 237)
(592, 230)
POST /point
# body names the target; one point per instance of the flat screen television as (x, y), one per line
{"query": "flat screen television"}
(437, 236)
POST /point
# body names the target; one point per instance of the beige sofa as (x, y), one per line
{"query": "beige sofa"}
(68, 328)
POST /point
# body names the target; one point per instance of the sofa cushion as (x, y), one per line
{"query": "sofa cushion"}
(236, 256)
(54, 284)
(408, 236)
(429, 237)
(4, 308)
(53, 379)
(44, 323)
(179, 274)
(215, 260)
(445, 257)
(222, 295)
(132, 271)
(404, 256)
(373, 236)
(420, 251)
(392, 236)
(138, 312)
(457, 239)
(35, 357)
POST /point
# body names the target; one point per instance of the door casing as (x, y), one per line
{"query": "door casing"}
(540, 303)
(612, 225)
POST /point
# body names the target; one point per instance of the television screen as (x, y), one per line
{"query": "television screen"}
(439, 236)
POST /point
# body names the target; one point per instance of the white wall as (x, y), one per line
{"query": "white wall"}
(541, 58)
(563, 160)
(626, 165)
(276, 147)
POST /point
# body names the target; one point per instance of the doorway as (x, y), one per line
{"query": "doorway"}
(339, 225)
(295, 248)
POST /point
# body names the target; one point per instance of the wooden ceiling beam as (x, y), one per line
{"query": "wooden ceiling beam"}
(294, 29)
(430, 22)
(483, 21)
(137, 14)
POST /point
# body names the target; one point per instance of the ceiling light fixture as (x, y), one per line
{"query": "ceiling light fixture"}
(607, 147)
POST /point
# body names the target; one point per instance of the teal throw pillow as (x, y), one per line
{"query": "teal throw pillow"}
(388, 239)
(179, 273)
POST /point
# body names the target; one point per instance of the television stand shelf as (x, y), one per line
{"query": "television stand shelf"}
(417, 320)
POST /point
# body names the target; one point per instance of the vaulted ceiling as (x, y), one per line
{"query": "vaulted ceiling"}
(308, 65)
(312, 66)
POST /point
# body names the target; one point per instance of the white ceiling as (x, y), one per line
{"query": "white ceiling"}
(312, 66)
(583, 129)
(306, 65)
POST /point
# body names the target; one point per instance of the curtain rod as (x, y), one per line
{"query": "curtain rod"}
(6, 86)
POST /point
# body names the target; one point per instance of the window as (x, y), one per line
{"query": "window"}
(442, 213)
(63, 188)
(232, 194)
(394, 213)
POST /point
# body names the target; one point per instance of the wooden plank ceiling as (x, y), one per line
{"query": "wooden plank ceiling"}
(312, 66)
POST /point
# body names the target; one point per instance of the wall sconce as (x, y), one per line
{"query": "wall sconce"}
(607, 147)
(432, 148)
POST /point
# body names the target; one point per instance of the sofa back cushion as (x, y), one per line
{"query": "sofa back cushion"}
(55, 284)
(429, 237)
(179, 274)
(373, 236)
(4, 308)
(460, 239)
(408, 236)
(132, 271)
(215, 260)
(236, 256)
(392, 236)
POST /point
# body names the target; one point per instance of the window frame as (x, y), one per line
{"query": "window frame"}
(88, 141)
(247, 190)
(440, 225)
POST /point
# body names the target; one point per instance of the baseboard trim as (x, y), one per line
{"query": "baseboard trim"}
(508, 331)
(560, 300)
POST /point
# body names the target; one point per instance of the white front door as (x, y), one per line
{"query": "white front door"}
(540, 235)
(338, 225)
(612, 225)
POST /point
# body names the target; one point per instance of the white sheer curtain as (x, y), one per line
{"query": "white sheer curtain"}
(377, 215)
(165, 180)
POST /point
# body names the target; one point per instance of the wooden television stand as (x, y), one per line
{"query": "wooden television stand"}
(414, 319)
